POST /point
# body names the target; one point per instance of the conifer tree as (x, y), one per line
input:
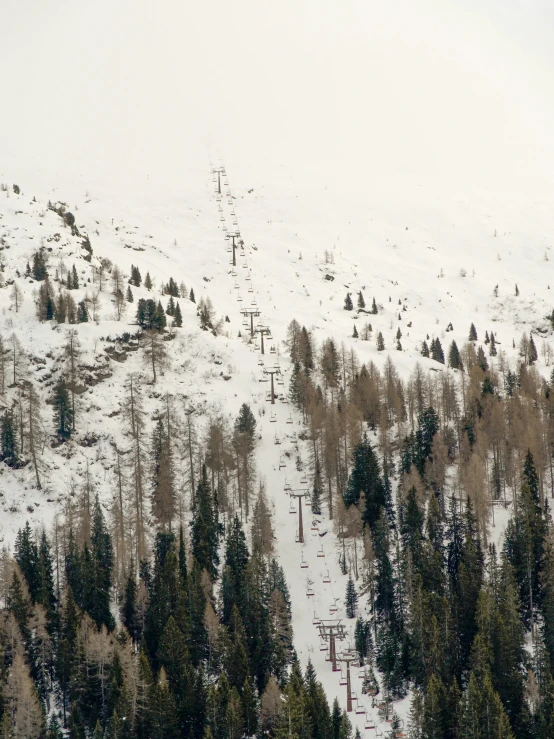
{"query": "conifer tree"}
(424, 349)
(366, 478)
(191, 296)
(351, 599)
(317, 490)
(380, 342)
(436, 351)
(472, 333)
(39, 269)
(82, 312)
(177, 319)
(374, 307)
(355, 332)
(148, 281)
(482, 359)
(129, 295)
(63, 411)
(348, 305)
(9, 440)
(533, 354)
(454, 357)
(205, 528)
(163, 490)
(74, 279)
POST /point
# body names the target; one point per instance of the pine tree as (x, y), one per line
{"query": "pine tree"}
(102, 559)
(177, 319)
(129, 295)
(533, 354)
(148, 281)
(374, 307)
(82, 312)
(63, 411)
(355, 332)
(454, 357)
(380, 342)
(361, 301)
(351, 599)
(8, 440)
(366, 478)
(163, 491)
(348, 305)
(39, 269)
(205, 528)
(472, 333)
(191, 296)
(317, 490)
(517, 290)
(424, 349)
(482, 359)
(170, 310)
(74, 279)
(436, 351)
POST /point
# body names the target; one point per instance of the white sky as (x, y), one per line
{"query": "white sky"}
(456, 90)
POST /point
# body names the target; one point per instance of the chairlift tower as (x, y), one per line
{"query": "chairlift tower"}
(299, 493)
(250, 312)
(219, 172)
(263, 330)
(234, 236)
(348, 658)
(271, 373)
(332, 630)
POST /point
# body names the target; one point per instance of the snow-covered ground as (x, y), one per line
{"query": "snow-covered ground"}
(431, 263)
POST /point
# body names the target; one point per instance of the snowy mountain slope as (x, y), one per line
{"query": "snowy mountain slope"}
(183, 238)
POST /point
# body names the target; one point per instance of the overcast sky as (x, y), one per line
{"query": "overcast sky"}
(457, 90)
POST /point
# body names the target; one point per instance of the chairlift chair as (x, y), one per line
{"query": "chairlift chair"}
(342, 678)
(309, 590)
(273, 418)
(360, 707)
(327, 578)
(239, 300)
(272, 349)
(224, 227)
(289, 419)
(321, 553)
(315, 527)
(303, 480)
(292, 509)
(287, 486)
(277, 439)
(323, 646)
(303, 563)
(315, 620)
(250, 288)
(333, 608)
(369, 723)
(282, 463)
